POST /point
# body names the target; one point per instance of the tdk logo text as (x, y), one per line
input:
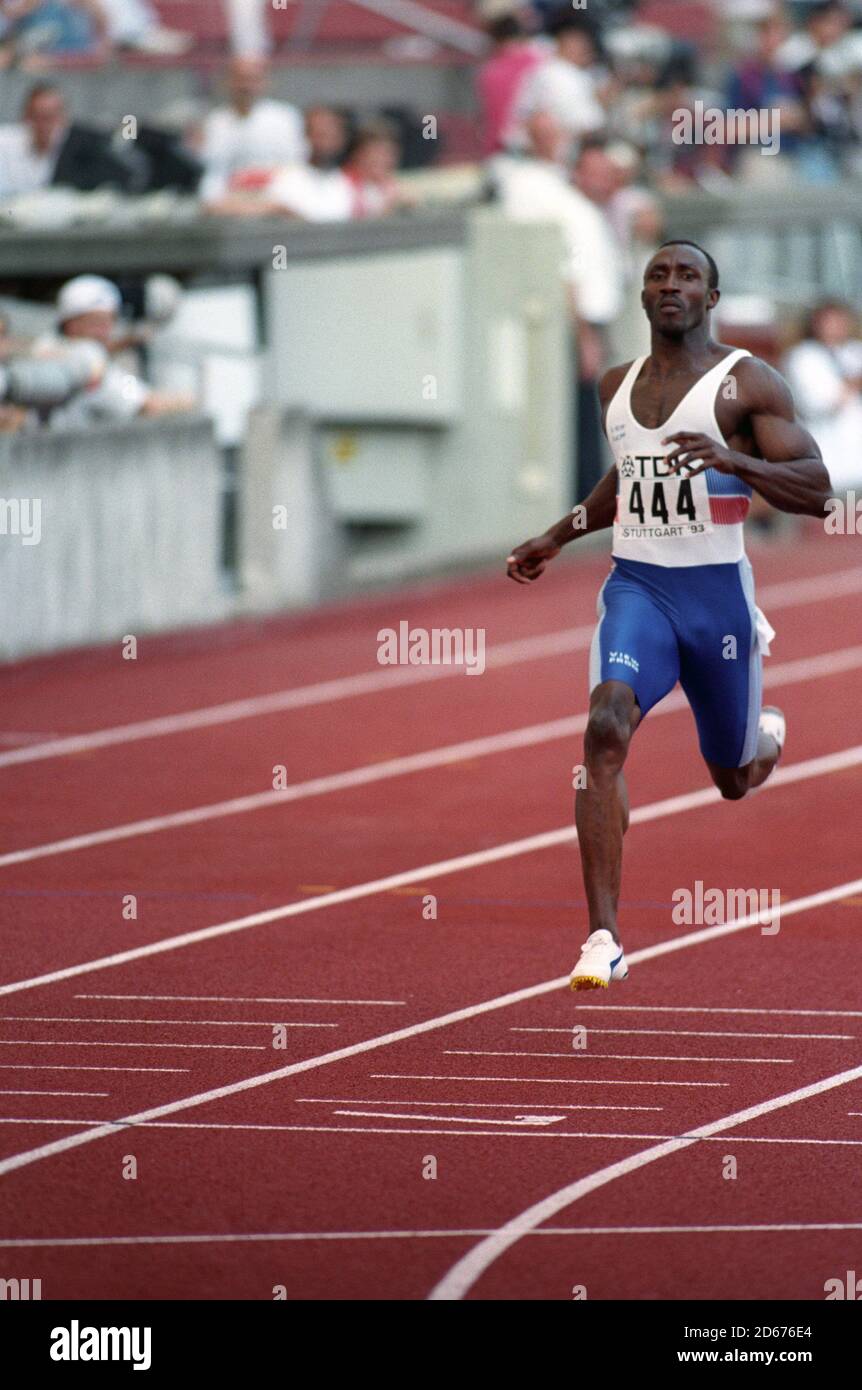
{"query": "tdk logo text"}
(644, 466)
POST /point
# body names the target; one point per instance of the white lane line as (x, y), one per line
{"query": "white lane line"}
(242, 999)
(472, 1104)
(54, 1093)
(469, 1269)
(708, 1009)
(455, 1119)
(526, 1130)
(319, 786)
(27, 1243)
(535, 1080)
(58, 1066)
(797, 905)
(581, 1057)
(788, 594)
(549, 644)
(173, 1022)
(804, 669)
(693, 1033)
(110, 1042)
(338, 1129)
(675, 805)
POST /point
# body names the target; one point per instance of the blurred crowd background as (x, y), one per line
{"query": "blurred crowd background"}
(203, 121)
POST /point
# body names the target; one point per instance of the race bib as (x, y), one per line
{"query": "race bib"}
(655, 504)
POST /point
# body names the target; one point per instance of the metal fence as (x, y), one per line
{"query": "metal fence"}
(108, 533)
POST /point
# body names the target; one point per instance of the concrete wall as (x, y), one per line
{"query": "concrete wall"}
(128, 538)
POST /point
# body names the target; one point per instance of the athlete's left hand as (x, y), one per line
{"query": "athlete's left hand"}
(699, 446)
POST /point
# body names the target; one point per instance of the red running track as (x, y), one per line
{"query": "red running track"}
(416, 1119)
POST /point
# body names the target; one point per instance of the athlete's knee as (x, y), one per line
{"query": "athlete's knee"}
(608, 731)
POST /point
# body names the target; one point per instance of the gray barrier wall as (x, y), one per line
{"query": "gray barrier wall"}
(108, 532)
(435, 384)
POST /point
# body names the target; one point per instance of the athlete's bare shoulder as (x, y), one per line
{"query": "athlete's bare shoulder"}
(612, 381)
(761, 389)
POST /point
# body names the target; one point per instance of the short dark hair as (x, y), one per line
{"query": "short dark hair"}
(825, 306)
(370, 131)
(565, 20)
(504, 27)
(819, 8)
(713, 268)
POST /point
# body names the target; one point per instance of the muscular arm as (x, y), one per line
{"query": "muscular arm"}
(787, 468)
(595, 513)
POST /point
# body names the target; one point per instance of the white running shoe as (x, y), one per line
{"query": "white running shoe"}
(772, 722)
(601, 961)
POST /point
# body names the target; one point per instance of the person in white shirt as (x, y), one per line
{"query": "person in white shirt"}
(88, 309)
(251, 134)
(605, 172)
(568, 85)
(537, 187)
(29, 149)
(825, 375)
(135, 24)
(365, 185)
(318, 191)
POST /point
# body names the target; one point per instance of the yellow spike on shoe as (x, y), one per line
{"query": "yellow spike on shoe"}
(588, 982)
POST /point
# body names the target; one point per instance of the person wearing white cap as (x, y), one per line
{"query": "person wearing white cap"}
(88, 310)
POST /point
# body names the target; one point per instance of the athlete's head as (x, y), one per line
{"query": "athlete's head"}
(680, 288)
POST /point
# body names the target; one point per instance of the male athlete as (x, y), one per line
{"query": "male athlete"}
(694, 428)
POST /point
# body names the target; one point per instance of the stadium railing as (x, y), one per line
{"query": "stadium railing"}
(108, 532)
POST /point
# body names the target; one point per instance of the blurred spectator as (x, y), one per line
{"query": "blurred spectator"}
(30, 149)
(53, 28)
(364, 186)
(88, 309)
(640, 55)
(45, 148)
(825, 374)
(252, 135)
(135, 24)
(825, 25)
(12, 417)
(249, 35)
(819, 57)
(536, 187)
(605, 172)
(327, 134)
(570, 84)
(318, 191)
(371, 166)
(501, 76)
(763, 82)
(676, 165)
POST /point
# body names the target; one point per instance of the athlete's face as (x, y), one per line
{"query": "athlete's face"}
(676, 295)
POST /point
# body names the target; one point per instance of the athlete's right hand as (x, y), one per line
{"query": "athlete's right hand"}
(529, 560)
